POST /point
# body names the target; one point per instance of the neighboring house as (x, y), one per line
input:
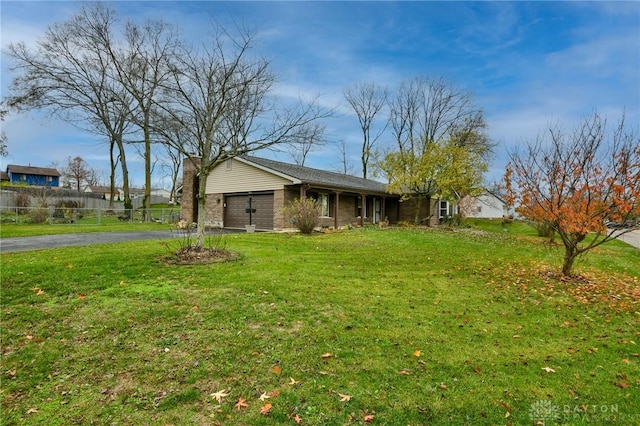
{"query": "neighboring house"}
(133, 193)
(488, 206)
(36, 176)
(270, 185)
(4, 176)
(160, 192)
(104, 191)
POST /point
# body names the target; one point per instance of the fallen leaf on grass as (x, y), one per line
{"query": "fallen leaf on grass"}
(277, 369)
(274, 393)
(405, 372)
(549, 369)
(622, 385)
(369, 418)
(81, 296)
(443, 386)
(626, 361)
(505, 406)
(417, 353)
(327, 355)
(264, 396)
(297, 419)
(32, 410)
(242, 403)
(219, 395)
(265, 409)
(39, 292)
(293, 381)
(343, 397)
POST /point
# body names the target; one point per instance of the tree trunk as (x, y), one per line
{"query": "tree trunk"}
(147, 176)
(570, 254)
(128, 206)
(202, 204)
(418, 205)
(112, 176)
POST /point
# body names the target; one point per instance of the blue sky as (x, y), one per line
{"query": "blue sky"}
(528, 64)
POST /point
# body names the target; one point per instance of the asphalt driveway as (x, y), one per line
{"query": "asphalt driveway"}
(632, 238)
(8, 245)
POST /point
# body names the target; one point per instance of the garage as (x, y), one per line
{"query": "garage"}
(237, 216)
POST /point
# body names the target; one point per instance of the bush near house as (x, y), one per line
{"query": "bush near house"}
(303, 213)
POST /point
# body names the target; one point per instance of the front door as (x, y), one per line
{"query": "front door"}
(377, 210)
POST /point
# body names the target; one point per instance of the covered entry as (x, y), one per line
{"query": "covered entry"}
(236, 208)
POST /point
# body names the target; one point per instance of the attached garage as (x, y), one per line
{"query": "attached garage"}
(236, 214)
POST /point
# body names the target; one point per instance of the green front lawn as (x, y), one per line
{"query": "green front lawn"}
(371, 326)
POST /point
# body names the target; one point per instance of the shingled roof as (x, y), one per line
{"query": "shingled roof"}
(319, 177)
(28, 170)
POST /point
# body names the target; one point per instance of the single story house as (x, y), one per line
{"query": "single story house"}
(487, 206)
(36, 176)
(250, 190)
(104, 191)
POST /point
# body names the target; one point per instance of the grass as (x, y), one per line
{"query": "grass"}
(406, 326)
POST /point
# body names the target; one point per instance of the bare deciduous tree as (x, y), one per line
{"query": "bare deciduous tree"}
(219, 95)
(71, 74)
(141, 66)
(4, 149)
(305, 140)
(367, 100)
(438, 132)
(344, 166)
(77, 172)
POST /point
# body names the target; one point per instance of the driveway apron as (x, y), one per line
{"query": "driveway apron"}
(8, 245)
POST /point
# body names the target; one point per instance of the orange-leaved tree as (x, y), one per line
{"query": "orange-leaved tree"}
(578, 183)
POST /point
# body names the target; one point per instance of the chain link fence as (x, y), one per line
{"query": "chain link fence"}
(53, 215)
(33, 205)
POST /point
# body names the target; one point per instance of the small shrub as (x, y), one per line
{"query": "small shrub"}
(23, 201)
(455, 221)
(304, 213)
(66, 208)
(38, 215)
(507, 219)
(545, 229)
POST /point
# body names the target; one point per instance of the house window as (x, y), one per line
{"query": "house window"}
(323, 203)
(444, 209)
(49, 179)
(359, 211)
